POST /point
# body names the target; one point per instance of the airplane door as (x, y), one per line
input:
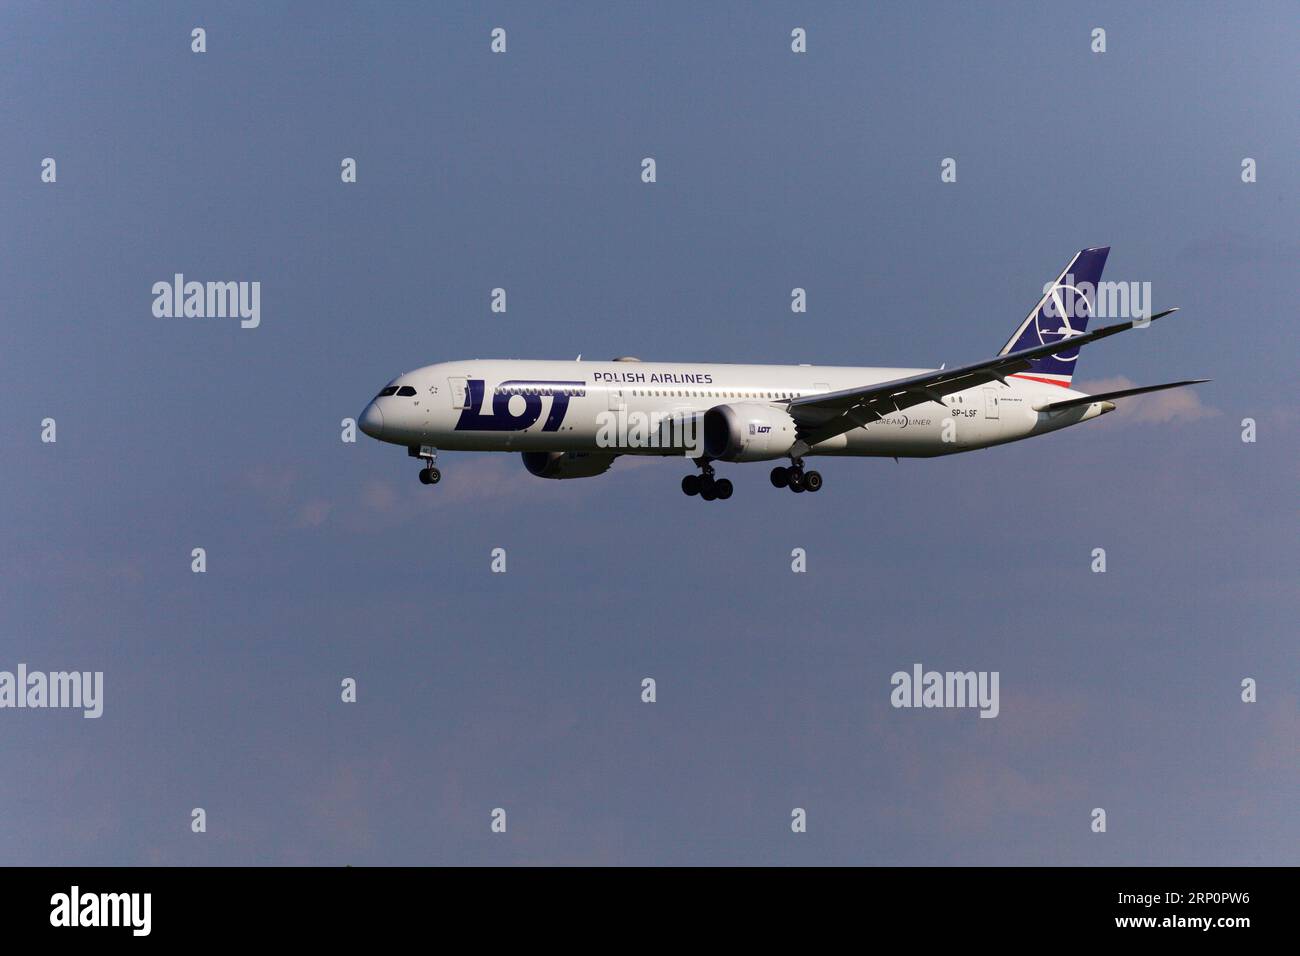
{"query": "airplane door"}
(616, 398)
(459, 392)
(991, 404)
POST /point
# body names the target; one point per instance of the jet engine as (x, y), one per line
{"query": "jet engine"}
(566, 464)
(748, 431)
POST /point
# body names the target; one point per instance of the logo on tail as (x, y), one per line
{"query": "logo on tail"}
(1061, 314)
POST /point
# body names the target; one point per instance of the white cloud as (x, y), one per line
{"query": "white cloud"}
(313, 513)
(1156, 408)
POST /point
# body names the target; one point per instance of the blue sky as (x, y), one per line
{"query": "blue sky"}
(478, 690)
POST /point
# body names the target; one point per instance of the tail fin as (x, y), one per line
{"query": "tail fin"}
(1062, 312)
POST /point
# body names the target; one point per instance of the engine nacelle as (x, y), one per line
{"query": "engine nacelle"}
(748, 431)
(566, 464)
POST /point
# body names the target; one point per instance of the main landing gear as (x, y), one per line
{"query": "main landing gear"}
(796, 479)
(429, 475)
(706, 485)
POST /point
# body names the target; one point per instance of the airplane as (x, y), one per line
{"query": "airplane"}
(573, 419)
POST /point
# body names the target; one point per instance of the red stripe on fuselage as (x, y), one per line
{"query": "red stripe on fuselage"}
(1045, 381)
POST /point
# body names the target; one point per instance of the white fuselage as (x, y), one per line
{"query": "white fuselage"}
(550, 406)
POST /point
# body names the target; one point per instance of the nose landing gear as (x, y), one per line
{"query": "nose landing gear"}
(796, 479)
(706, 484)
(429, 475)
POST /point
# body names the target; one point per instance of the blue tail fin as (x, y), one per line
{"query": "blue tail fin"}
(1062, 312)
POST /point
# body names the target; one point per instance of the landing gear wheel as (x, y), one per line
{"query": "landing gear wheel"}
(707, 485)
(429, 475)
(812, 480)
(796, 482)
(780, 477)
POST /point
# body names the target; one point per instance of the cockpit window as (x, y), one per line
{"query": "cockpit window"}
(406, 390)
(390, 390)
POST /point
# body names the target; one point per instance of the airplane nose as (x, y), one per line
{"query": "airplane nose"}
(372, 421)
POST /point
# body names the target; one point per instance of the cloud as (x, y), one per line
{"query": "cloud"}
(1278, 746)
(313, 513)
(378, 496)
(487, 477)
(277, 487)
(472, 479)
(271, 482)
(1157, 408)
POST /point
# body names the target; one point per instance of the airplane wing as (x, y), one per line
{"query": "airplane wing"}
(820, 417)
(1106, 396)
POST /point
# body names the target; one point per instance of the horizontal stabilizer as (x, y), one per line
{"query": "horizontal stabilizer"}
(1107, 396)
